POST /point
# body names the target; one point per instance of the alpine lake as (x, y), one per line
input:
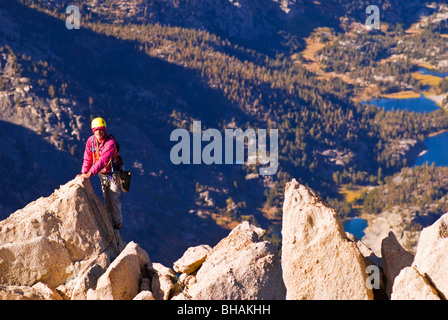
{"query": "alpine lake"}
(436, 146)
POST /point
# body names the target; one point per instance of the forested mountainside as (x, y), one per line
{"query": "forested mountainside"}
(269, 26)
(149, 67)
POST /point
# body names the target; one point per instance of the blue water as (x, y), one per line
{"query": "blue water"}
(420, 104)
(437, 146)
(355, 226)
(435, 73)
(437, 151)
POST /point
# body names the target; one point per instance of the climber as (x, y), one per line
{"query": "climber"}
(100, 158)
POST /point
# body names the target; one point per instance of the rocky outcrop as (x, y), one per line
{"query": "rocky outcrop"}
(427, 278)
(121, 280)
(192, 259)
(39, 291)
(64, 247)
(54, 239)
(162, 283)
(395, 258)
(241, 266)
(412, 285)
(431, 258)
(319, 261)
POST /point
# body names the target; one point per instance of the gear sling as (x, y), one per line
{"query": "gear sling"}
(114, 165)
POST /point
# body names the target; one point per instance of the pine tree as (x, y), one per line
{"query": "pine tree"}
(51, 91)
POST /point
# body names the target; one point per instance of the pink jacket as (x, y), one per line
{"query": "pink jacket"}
(107, 150)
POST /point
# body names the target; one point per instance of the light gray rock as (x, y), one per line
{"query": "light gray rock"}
(192, 259)
(240, 267)
(395, 258)
(318, 260)
(162, 283)
(411, 285)
(43, 241)
(38, 291)
(122, 277)
(144, 295)
(431, 259)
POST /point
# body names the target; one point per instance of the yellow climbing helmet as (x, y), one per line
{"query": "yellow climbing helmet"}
(98, 123)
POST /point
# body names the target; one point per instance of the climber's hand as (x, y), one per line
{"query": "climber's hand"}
(84, 175)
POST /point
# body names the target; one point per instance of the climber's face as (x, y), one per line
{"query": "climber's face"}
(99, 134)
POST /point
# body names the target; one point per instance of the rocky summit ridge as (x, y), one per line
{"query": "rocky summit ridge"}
(63, 247)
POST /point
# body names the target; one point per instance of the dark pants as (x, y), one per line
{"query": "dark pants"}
(111, 188)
